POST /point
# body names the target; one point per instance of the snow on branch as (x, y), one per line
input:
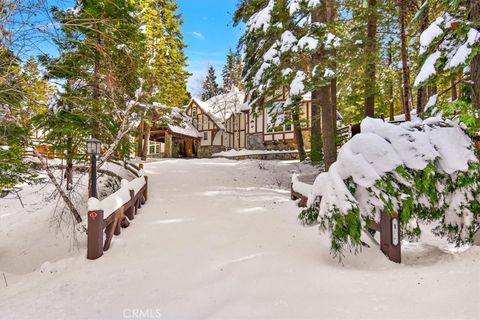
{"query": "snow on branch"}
(424, 170)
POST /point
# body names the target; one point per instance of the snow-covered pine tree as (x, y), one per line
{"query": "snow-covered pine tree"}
(279, 42)
(210, 86)
(450, 47)
(425, 171)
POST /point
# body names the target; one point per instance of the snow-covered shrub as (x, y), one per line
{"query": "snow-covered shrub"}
(425, 170)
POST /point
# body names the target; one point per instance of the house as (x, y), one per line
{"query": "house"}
(226, 122)
(177, 139)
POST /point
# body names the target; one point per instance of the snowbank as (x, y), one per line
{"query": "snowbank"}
(300, 186)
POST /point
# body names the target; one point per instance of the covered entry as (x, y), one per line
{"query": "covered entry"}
(179, 142)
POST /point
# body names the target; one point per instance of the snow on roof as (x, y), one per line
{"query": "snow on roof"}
(182, 124)
(189, 130)
(205, 106)
(224, 105)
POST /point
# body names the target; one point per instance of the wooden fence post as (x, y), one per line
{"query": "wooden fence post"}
(95, 235)
(390, 242)
(131, 211)
(145, 193)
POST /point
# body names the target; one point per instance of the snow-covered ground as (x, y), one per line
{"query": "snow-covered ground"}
(219, 239)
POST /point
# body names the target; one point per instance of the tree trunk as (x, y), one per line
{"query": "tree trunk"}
(141, 129)
(319, 15)
(391, 92)
(69, 169)
(371, 50)
(146, 139)
(474, 17)
(69, 175)
(297, 130)
(404, 53)
(422, 95)
(322, 96)
(454, 88)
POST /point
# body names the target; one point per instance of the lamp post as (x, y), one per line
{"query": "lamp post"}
(93, 149)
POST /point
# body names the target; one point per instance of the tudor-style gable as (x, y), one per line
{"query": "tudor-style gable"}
(210, 128)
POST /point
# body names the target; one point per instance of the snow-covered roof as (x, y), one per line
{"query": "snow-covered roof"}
(207, 109)
(224, 105)
(188, 131)
(221, 107)
(182, 124)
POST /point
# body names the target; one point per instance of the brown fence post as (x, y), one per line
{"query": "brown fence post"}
(390, 242)
(95, 235)
(130, 213)
(145, 193)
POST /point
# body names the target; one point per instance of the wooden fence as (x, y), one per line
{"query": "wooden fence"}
(103, 226)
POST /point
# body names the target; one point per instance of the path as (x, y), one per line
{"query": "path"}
(216, 240)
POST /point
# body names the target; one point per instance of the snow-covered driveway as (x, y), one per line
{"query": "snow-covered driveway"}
(220, 239)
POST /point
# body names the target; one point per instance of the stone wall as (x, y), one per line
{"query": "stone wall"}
(208, 151)
(255, 141)
(269, 156)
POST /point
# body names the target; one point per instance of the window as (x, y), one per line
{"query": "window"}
(154, 148)
(280, 122)
(252, 125)
(205, 135)
(194, 112)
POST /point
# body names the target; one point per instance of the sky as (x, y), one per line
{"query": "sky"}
(209, 33)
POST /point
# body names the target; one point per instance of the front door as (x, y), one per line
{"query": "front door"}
(188, 148)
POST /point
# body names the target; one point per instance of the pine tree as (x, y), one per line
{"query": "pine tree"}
(210, 85)
(449, 55)
(279, 44)
(232, 72)
(371, 56)
(228, 72)
(165, 75)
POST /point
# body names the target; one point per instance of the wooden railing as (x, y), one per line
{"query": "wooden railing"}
(123, 206)
(130, 166)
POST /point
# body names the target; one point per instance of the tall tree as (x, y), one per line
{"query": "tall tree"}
(474, 18)
(422, 94)
(406, 92)
(449, 49)
(279, 42)
(371, 56)
(228, 74)
(210, 86)
(165, 73)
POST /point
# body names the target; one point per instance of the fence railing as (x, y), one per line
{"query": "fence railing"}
(130, 166)
(107, 217)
